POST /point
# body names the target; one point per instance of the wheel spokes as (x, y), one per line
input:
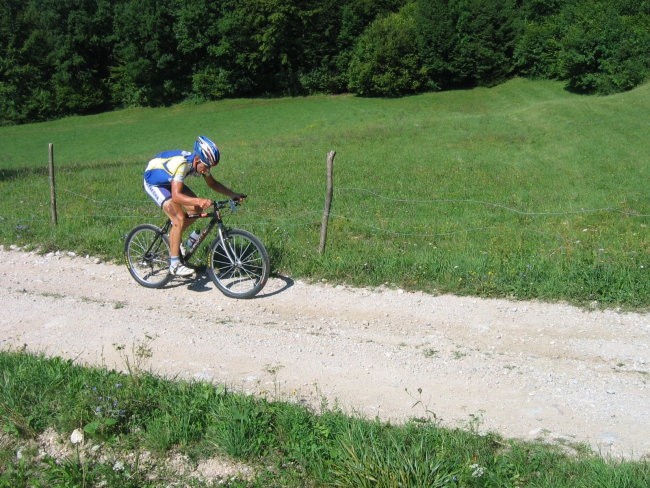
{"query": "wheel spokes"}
(239, 267)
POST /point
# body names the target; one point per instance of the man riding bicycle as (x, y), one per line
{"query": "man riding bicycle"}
(164, 182)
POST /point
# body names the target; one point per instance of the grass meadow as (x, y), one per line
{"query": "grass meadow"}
(522, 190)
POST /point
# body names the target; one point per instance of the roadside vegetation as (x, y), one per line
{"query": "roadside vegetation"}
(69, 426)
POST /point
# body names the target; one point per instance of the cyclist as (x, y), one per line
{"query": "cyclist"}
(164, 182)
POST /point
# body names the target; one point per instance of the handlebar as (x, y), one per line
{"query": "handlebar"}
(218, 205)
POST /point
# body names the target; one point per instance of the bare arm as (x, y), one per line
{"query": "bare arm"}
(221, 188)
(186, 200)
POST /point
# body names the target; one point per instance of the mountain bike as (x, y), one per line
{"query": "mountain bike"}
(237, 261)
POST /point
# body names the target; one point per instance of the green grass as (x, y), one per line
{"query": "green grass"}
(523, 190)
(133, 422)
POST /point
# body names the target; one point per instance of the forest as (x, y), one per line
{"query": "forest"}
(65, 57)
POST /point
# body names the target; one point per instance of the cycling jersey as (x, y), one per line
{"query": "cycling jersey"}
(169, 166)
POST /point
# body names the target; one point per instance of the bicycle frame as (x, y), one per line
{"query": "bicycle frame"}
(215, 220)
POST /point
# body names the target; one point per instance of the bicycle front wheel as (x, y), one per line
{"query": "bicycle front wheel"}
(146, 252)
(239, 266)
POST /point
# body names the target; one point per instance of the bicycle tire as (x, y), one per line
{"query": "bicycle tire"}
(148, 265)
(246, 273)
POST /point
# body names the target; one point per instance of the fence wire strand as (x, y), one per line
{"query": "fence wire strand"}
(132, 211)
(496, 205)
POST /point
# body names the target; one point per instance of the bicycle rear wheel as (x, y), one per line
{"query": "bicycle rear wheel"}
(241, 268)
(146, 252)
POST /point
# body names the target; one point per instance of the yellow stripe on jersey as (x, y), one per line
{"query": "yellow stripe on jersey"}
(176, 167)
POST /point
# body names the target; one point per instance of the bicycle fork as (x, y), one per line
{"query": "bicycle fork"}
(226, 246)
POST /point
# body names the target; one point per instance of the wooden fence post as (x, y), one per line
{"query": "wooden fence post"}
(328, 201)
(52, 188)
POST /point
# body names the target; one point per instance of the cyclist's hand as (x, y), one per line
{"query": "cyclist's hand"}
(205, 203)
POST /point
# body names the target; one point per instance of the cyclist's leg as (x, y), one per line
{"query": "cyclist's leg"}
(176, 214)
(193, 209)
(161, 194)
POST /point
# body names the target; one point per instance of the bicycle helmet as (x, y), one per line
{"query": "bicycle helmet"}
(207, 151)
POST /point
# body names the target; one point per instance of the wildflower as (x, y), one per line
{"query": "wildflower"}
(77, 436)
(118, 466)
(477, 471)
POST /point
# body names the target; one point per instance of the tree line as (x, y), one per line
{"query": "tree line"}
(62, 57)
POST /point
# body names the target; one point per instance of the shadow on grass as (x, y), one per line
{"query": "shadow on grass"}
(20, 173)
(40, 171)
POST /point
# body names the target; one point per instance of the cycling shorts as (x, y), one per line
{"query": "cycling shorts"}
(161, 193)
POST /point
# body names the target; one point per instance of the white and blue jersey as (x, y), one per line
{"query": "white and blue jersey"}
(164, 168)
(169, 166)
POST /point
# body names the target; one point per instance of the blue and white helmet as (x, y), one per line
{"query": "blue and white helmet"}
(207, 151)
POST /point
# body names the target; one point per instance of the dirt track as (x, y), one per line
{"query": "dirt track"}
(526, 369)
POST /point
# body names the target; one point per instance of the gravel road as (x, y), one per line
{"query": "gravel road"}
(523, 369)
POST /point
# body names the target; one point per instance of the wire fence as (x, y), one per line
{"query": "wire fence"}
(344, 213)
(141, 210)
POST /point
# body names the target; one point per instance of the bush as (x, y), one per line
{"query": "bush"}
(603, 51)
(538, 49)
(386, 60)
(211, 84)
(485, 33)
(466, 43)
